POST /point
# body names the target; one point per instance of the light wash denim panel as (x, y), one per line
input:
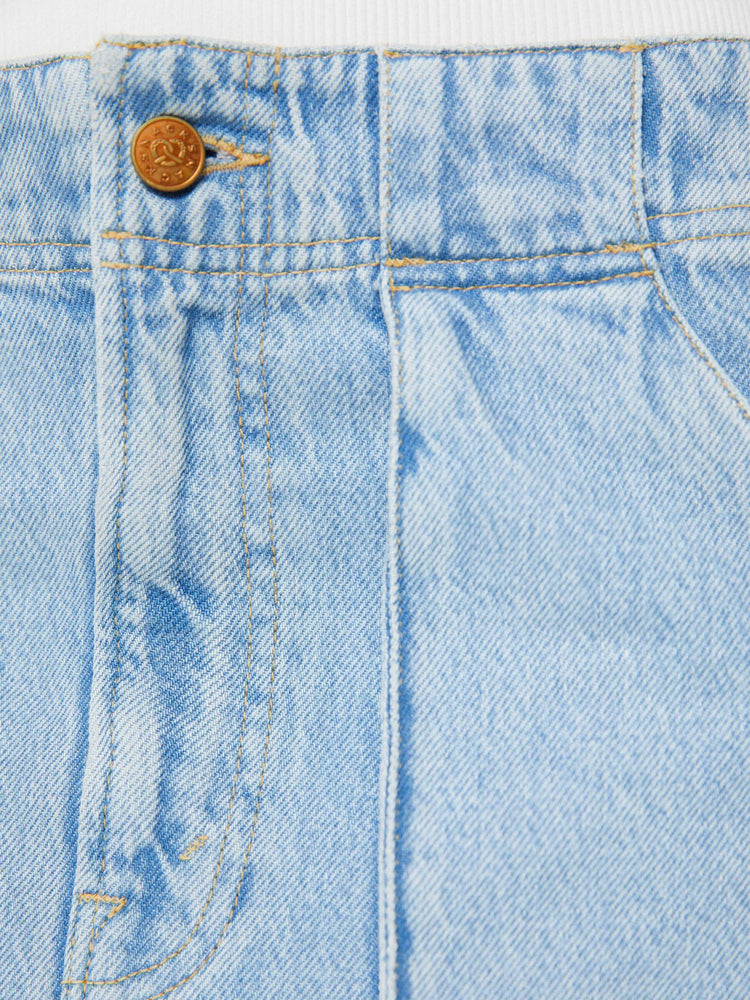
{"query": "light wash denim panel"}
(375, 526)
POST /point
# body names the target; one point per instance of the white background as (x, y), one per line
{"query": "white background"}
(31, 28)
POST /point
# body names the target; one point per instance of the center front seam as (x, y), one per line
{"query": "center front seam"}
(86, 981)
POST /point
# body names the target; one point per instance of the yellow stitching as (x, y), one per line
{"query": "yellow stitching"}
(193, 847)
(44, 270)
(118, 535)
(40, 243)
(404, 262)
(694, 211)
(608, 248)
(634, 62)
(160, 45)
(632, 47)
(636, 247)
(626, 247)
(112, 264)
(242, 158)
(243, 493)
(97, 932)
(546, 284)
(47, 62)
(697, 347)
(243, 490)
(87, 897)
(97, 897)
(223, 144)
(110, 235)
(246, 160)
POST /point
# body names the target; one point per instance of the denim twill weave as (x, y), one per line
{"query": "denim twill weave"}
(375, 525)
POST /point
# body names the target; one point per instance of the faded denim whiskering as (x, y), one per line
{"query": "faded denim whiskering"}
(375, 526)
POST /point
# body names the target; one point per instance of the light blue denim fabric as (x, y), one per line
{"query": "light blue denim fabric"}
(375, 526)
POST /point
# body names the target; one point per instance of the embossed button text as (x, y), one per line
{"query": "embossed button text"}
(168, 154)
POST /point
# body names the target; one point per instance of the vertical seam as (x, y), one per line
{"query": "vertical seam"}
(634, 59)
(118, 532)
(388, 154)
(398, 636)
(107, 916)
(243, 488)
(266, 417)
(72, 945)
(393, 669)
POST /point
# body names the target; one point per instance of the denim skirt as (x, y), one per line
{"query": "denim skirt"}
(375, 524)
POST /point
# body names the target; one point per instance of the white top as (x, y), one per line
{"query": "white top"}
(48, 27)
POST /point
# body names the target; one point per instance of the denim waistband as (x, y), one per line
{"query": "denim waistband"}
(435, 155)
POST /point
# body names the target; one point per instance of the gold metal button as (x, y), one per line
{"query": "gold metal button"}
(168, 154)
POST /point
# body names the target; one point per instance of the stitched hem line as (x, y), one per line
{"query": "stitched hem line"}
(610, 248)
(45, 270)
(23, 67)
(120, 266)
(111, 235)
(545, 284)
(42, 243)
(421, 261)
(388, 860)
(696, 211)
(387, 53)
(623, 47)
(278, 55)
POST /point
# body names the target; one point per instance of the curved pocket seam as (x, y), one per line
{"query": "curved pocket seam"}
(654, 274)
